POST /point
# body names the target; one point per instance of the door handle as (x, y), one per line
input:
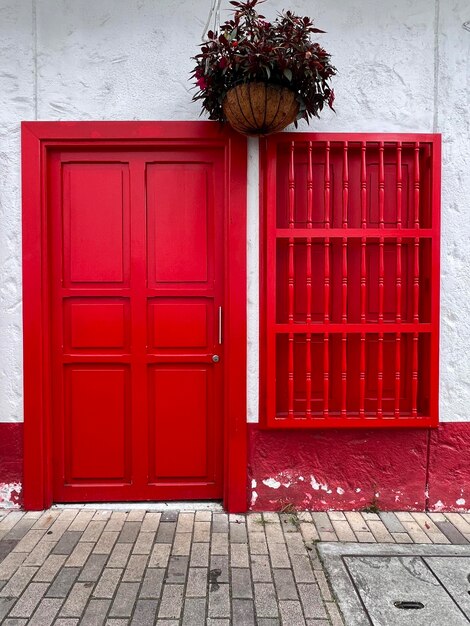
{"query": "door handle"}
(215, 358)
(220, 325)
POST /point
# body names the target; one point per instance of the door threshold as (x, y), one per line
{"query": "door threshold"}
(147, 506)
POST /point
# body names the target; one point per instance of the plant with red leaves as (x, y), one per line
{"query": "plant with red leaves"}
(248, 48)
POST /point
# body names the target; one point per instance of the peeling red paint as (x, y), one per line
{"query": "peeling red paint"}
(449, 468)
(346, 470)
(11, 464)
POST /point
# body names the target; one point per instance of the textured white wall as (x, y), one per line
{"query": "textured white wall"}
(404, 65)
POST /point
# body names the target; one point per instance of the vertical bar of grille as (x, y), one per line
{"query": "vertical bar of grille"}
(326, 289)
(344, 296)
(290, 364)
(381, 279)
(308, 342)
(414, 379)
(362, 365)
(398, 283)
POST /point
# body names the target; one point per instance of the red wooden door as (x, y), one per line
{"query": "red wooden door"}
(137, 285)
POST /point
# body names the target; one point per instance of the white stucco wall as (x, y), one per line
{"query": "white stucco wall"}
(404, 65)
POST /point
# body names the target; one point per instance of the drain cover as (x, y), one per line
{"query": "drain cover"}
(386, 585)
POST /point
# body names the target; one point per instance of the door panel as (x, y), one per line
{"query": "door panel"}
(137, 280)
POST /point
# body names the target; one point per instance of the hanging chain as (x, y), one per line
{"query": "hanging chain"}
(214, 19)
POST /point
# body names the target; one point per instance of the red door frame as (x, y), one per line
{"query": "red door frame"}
(38, 138)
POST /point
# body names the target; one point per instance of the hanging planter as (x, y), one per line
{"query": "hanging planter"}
(260, 108)
(260, 76)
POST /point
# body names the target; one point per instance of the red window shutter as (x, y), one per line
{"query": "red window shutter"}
(350, 280)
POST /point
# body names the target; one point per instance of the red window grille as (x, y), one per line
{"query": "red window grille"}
(350, 280)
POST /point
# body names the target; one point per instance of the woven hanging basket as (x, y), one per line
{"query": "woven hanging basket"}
(260, 108)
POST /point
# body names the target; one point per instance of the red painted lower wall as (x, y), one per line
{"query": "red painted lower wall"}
(397, 470)
(11, 464)
(352, 469)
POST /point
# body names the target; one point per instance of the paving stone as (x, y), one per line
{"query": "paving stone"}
(429, 527)
(194, 613)
(203, 516)
(102, 514)
(243, 612)
(391, 521)
(219, 564)
(80, 554)
(95, 614)
(93, 531)
(380, 531)
(343, 530)
(334, 614)
(166, 532)
(40, 553)
(169, 516)
(285, 585)
(46, 520)
(197, 582)
(295, 544)
(136, 515)
(18, 582)
(6, 546)
(356, 521)
(144, 543)
(5, 606)
(365, 537)
(260, 568)
(10, 564)
(291, 613)
(265, 600)
(302, 567)
(323, 584)
(268, 621)
(160, 555)
(15, 621)
(67, 542)
(454, 536)
(324, 527)
(66, 622)
(182, 544)
(46, 612)
(76, 600)
(172, 601)
(116, 622)
(217, 622)
(93, 567)
(200, 555)
(238, 532)
(278, 554)
(220, 523)
(116, 521)
(107, 583)
(177, 569)
(57, 529)
(258, 544)
(19, 530)
(402, 538)
(202, 531)
(219, 601)
(239, 555)
(135, 568)
(48, 571)
(129, 533)
(63, 582)
(185, 523)
(119, 555)
(106, 542)
(152, 583)
(145, 613)
(124, 601)
(150, 522)
(241, 583)
(81, 520)
(312, 602)
(29, 541)
(219, 544)
(454, 518)
(415, 532)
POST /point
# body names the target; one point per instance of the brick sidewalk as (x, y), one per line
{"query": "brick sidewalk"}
(72, 566)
